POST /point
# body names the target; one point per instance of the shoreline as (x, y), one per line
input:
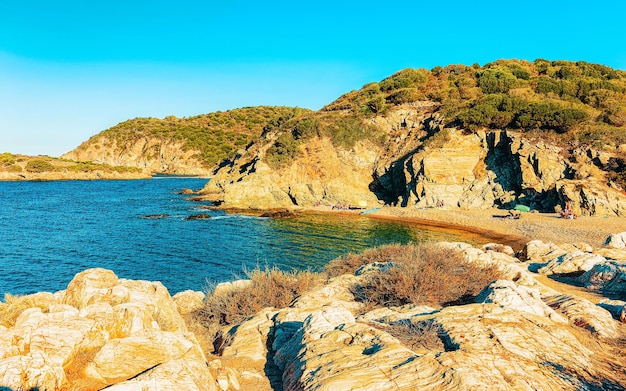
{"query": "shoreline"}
(515, 241)
(491, 224)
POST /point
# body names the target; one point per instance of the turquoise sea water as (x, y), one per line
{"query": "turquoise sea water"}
(49, 231)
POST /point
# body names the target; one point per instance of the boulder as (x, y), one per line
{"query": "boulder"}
(101, 330)
(90, 286)
(584, 313)
(156, 216)
(609, 276)
(508, 250)
(249, 339)
(179, 374)
(611, 253)
(616, 241)
(199, 216)
(147, 349)
(508, 294)
(188, 301)
(539, 252)
(575, 262)
(225, 287)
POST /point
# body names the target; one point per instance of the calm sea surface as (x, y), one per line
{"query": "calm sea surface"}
(49, 231)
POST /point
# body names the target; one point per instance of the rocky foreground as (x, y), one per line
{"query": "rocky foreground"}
(519, 333)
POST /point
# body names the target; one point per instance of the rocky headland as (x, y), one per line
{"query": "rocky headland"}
(553, 319)
(15, 167)
(423, 165)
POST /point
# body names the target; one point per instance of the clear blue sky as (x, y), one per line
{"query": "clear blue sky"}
(69, 69)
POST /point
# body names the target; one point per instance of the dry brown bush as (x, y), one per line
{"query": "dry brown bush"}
(268, 288)
(351, 262)
(425, 274)
(420, 337)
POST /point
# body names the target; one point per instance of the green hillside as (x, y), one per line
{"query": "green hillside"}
(579, 101)
(217, 135)
(566, 103)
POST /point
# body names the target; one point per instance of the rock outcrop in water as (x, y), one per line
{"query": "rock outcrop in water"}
(517, 334)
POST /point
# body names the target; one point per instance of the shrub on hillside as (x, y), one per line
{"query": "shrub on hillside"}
(405, 95)
(283, 151)
(39, 165)
(7, 159)
(428, 274)
(404, 79)
(496, 80)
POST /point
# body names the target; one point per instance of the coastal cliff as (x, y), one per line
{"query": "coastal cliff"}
(542, 134)
(346, 330)
(423, 165)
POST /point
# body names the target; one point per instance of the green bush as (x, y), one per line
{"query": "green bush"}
(283, 151)
(404, 95)
(521, 73)
(496, 80)
(7, 159)
(39, 165)
(546, 85)
(549, 116)
(374, 106)
(404, 79)
(493, 110)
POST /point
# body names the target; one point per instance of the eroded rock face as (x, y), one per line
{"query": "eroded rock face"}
(322, 174)
(420, 165)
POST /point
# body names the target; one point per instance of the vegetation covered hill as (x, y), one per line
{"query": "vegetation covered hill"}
(207, 139)
(475, 136)
(568, 102)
